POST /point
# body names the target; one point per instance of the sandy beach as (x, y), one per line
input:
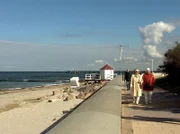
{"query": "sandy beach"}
(32, 110)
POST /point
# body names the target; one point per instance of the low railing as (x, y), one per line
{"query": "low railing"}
(92, 77)
(99, 114)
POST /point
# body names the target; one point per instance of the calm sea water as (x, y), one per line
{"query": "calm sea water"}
(12, 80)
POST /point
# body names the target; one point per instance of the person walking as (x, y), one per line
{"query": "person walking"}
(148, 85)
(135, 86)
(127, 78)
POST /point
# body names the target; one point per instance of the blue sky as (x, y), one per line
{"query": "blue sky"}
(59, 25)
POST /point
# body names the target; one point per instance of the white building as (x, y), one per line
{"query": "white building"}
(107, 72)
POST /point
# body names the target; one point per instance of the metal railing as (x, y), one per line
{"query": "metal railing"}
(92, 77)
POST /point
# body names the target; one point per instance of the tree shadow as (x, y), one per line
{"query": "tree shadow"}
(161, 101)
(126, 99)
(154, 119)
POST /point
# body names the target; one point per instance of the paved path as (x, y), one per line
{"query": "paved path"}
(160, 117)
(98, 114)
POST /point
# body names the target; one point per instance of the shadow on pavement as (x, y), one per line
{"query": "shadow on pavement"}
(165, 108)
(154, 119)
(161, 101)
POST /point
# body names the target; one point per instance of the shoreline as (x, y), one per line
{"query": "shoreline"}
(33, 88)
(24, 85)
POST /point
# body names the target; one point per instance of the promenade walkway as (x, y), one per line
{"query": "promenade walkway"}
(99, 114)
(160, 117)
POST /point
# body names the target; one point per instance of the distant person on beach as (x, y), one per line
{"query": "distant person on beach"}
(127, 78)
(135, 86)
(148, 85)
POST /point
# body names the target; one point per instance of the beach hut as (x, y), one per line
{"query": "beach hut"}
(74, 82)
(107, 72)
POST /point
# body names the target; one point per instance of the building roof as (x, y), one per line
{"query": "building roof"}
(106, 67)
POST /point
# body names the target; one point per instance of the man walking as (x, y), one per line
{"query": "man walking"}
(148, 85)
(127, 78)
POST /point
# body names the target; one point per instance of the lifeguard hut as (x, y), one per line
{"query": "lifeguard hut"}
(107, 72)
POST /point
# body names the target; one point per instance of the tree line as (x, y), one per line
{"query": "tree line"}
(171, 66)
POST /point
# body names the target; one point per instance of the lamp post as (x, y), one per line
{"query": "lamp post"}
(120, 58)
(120, 61)
(152, 65)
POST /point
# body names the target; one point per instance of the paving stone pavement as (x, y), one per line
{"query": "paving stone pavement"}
(160, 117)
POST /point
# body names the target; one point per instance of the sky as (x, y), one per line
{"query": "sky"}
(61, 35)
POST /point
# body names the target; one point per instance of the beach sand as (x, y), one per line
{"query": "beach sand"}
(32, 110)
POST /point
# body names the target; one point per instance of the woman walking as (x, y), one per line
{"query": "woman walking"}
(135, 86)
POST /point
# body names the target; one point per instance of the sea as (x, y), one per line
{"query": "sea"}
(21, 80)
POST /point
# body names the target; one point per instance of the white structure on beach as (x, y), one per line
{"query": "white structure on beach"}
(93, 76)
(74, 82)
(107, 72)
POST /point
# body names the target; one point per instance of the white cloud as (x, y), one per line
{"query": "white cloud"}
(115, 60)
(152, 35)
(130, 59)
(99, 61)
(151, 50)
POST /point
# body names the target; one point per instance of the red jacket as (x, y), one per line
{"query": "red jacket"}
(148, 79)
